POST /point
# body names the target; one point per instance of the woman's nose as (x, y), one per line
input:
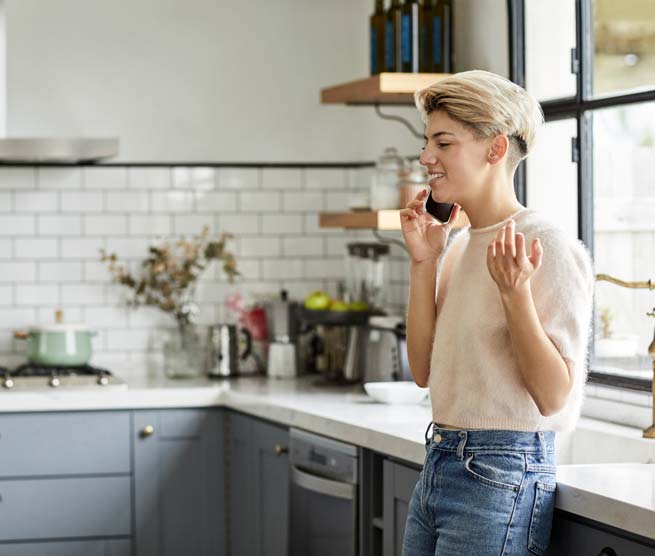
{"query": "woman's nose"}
(426, 158)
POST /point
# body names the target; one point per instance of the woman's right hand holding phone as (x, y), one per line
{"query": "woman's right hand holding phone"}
(424, 235)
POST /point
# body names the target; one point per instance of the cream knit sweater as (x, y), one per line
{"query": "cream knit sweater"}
(474, 378)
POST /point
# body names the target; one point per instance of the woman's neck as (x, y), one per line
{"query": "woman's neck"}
(498, 204)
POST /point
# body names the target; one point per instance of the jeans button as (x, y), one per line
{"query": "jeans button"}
(437, 437)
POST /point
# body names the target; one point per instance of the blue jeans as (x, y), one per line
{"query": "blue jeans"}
(483, 493)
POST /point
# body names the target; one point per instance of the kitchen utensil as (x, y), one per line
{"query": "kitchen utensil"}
(386, 350)
(223, 356)
(405, 392)
(60, 344)
(282, 360)
(366, 273)
(282, 315)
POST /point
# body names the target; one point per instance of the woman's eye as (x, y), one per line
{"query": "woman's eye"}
(442, 145)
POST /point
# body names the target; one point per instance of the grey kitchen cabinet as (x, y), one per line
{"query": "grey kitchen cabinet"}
(573, 535)
(109, 547)
(257, 486)
(398, 483)
(178, 487)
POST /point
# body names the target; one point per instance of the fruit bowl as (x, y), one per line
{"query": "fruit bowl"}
(400, 392)
(326, 316)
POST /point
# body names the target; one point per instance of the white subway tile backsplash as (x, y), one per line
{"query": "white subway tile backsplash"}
(126, 201)
(105, 178)
(303, 201)
(6, 201)
(238, 178)
(17, 225)
(192, 224)
(149, 178)
(60, 271)
(35, 201)
(282, 224)
(326, 178)
(59, 225)
(239, 224)
(36, 294)
(194, 178)
(215, 201)
(152, 224)
(17, 178)
(105, 225)
(54, 221)
(81, 248)
(259, 246)
(59, 178)
(281, 178)
(172, 201)
(17, 271)
(259, 202)
(43, 248)
(81, 201)
(312, 246)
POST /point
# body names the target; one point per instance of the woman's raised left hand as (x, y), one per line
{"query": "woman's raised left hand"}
(507, 260)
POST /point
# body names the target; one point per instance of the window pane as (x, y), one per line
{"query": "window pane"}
(552, 179)
(624, 45)
(624, 235)
(549, 38)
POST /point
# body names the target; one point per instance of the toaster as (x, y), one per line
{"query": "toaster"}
(386, 350)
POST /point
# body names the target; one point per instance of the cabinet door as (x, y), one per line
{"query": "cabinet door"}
(257, 486)
(399, 482)
(271, 489)
(177, 478)
(113, 547)
(571, 537)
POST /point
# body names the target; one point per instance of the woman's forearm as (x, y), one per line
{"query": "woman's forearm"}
(544, 371)
(421, 314)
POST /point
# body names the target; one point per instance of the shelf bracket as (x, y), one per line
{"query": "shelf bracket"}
(397, 119)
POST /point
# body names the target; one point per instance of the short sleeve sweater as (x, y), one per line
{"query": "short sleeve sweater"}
(474, 378)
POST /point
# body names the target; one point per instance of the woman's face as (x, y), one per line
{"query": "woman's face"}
(456, 161)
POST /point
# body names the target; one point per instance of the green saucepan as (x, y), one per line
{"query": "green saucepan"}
(60, 344)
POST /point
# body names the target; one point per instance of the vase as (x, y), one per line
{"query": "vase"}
(184, 351)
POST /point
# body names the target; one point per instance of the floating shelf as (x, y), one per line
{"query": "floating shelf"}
(383, 88)
(375, 219)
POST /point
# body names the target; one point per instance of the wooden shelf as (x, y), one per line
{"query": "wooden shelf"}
(376, 220)
(384, 88)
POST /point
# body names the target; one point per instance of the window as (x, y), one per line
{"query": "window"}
(591, 64)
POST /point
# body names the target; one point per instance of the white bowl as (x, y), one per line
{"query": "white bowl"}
(402, 392)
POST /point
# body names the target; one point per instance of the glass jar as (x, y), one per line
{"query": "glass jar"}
(366, 274)
(184, 350)
(413, 179)
(384, 186)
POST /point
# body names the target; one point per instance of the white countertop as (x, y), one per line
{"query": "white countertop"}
(621, 495)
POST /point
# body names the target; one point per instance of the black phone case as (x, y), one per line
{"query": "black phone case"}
(441, 211)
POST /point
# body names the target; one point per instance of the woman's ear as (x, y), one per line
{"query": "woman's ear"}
(498, 149)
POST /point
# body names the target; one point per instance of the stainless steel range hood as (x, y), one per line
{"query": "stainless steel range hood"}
(56, 150)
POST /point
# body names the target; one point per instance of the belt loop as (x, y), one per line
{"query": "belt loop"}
(462, 442)
(426, 432)
(542, 455)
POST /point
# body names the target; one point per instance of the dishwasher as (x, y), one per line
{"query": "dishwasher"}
(323, 496)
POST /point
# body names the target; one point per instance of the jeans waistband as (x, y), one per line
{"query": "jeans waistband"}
(493, 439)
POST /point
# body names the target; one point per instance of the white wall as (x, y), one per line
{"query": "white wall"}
(213, 80)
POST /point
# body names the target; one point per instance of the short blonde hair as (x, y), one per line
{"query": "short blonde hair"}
(487, 104)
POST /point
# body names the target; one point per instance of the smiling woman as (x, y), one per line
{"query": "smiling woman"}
(497, 327)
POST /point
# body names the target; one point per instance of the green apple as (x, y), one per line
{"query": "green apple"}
(317, 301)
(338, 305)
(358, 306)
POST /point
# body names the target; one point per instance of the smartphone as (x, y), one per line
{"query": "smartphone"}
(441, 211)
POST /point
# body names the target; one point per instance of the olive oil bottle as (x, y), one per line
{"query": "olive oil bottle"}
(392, 37)
(411, 21)
(436, 39)
(377, 24)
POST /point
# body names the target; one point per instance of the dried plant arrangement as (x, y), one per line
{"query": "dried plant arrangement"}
(170, 273)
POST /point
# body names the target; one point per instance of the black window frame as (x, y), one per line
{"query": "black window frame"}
(580, 107)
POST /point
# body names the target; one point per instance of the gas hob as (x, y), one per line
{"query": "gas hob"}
(30, 376)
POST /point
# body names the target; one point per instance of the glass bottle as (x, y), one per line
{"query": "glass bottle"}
(411, 22)
(377, 26)
(392, 43)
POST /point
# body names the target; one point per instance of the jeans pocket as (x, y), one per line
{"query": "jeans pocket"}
(541, 520)
(499, 470)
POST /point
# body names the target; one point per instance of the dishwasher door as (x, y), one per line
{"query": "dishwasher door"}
(323, 497)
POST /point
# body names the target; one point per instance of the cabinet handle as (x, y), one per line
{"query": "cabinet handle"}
(279, 449)
(148, 430)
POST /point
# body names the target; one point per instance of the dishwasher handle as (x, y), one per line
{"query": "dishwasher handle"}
(336, 489)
